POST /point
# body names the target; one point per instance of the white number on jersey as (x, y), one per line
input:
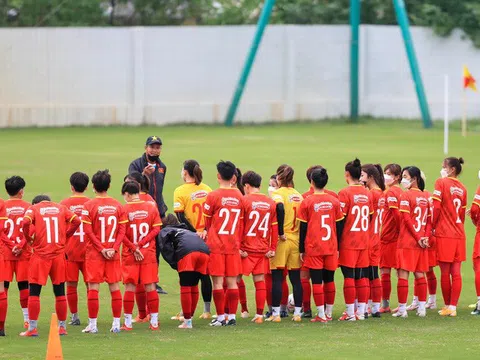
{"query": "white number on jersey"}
(110, 221)
(226, 213)
(361, 218)
(263, 224)
(140, 233)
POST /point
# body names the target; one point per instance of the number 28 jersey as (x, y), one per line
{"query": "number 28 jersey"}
(225, 208)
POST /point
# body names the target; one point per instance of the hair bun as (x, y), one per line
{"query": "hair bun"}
(323, 171)
(461, 161)
(357, 163)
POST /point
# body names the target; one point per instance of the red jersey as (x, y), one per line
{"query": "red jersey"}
(452, 195)
(15, 210)
(146, 197)
(224, 207)
(104, 214)
(414, 202)
(326, 191)
(51, 223)
(260, 224)
(142, 217)
(76, 245)
(390, 228)
(356, 205)
(320, 211)
(378, 202)
(3, 217)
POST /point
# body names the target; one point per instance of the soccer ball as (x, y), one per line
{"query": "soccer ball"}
(291, 304)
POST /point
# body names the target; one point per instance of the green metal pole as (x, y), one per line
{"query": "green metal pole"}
(402, 19)
(237, 95)
(355, 7)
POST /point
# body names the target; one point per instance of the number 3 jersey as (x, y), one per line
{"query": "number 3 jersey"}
(417, 204)
(224, 207)
(104, 214)
(453, 198)
(76, 244)
(356, 204)
(142, 218)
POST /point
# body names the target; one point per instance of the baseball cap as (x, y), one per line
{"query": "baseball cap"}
(153, 140)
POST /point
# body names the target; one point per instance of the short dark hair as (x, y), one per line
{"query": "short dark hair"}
(101, 180)
(130, 187)
(354, 168)
(170, 219)
(39, 198)
(14, 184)
(310, 170)
(143, 180)
(226, 169)
(319, 177)
(252, 178)
(79, 181)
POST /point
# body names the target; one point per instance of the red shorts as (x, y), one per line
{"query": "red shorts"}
(451, 250)
(374, 255)
(328, 262)
(40, 269)
(413, 260)
(99, 271)
(225, 265)
(73, 269)
(3, 272)
(353, 258)
(195, 261)
(432, 257)
(388, 255)
(254, 264)
(140, 273)
(18, 267)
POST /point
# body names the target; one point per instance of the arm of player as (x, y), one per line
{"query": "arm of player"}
(150, 237)
(182, 218)
(91, 237)
(303, 235)
(274, 236)
(437, 208)
(26, 230)
(127, 242)
(475, 214)
(340, 224)
(122, 229)
(280, 209)
(409, 224)
(74, 224)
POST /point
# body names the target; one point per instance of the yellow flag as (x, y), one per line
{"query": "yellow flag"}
(468, 80)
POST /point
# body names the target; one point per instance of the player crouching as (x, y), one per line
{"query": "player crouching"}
(187, 253)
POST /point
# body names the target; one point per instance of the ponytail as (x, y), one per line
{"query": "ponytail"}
(192, 167)
(238, 174)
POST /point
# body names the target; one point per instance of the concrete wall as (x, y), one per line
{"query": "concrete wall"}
(84, 76)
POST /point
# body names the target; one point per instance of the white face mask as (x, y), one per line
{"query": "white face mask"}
(271, 189)
(388, 179)
(443, 173)
(406, 183)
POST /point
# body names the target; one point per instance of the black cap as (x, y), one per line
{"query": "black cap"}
(153, 140)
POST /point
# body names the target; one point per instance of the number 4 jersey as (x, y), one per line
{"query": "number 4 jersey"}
(76, 245)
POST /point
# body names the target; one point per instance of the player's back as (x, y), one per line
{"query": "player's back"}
(291, 200)
(225, 207)
(415, 203)
(390, 228)
(15, 210)
(260, 216)
(146, 197)
(76, 244)
(453, 196)
(378, 209)
(189, 199)
(356, 205)
(3, 216)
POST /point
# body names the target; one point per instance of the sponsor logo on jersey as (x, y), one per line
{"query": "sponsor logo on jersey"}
(200, 194)
(422, 201)
(15, 211)
(177, 205)
(260, 205)
(49, 210)
(437, 193)
(77, 209)
(404, 203)
(294, 198)
(477, 197)
(391, 199)
(456, 191)
(325, 205)
(137, 215)
(360, 199)
(85, 212)
(230, 201)
(107, 209)
(342, 205)
(381, 202)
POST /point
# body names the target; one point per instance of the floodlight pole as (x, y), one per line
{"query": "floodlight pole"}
(403, 22)
(355, 8)
(237, 95)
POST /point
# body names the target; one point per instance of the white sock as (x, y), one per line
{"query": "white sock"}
(232, 317)
(421, 305)
(415, 300)
(375, 307)
(116, 322)
(350, 310)
(128, 319)
(154, 319)
(361, 308)
(298, 311)
(356, 304)
(369, 306)
(321, 311)
(402, 308)
(433, 299)
(276, 311)
(25, 314)
(452, 307)
(92, 322)
(221, 317)
(329, 310)
(206, 307)
(62, 324)
(74, 316)
(32, 324)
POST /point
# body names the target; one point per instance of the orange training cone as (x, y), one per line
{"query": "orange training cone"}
(54, 347)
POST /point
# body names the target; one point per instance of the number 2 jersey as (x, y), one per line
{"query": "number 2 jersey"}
(223, 211)
(15, 211)
(76, 245)
(189, 199)
(449, 218)
(105, 215)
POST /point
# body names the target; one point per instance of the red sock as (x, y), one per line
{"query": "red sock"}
(186, 301)
(61, 307)
(445, 283)
(307, 294)
(330, 292)
(318, 295)
(260, 295)
(141, 299)
(233, 295)
(362, 290)
(24, 298)
(116, 303)
(456, 283)
(415, 289)
(33, 307)
(349, 290)
(376, 286)
(153, 302)
(129, 302)
(268, 286)
(242, 291)
(432, 282)
(421, 286)
(72, 298)
(227, 310)
(92, 303)
(386, 286)
(219, 300)
(3, 309)
(402, 291)
(284, 291)
(195, 296)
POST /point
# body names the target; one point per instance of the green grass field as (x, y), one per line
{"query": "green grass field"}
(47, 157)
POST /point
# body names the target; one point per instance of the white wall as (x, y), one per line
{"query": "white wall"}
(65, 76)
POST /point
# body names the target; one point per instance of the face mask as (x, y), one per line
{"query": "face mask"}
(153, 158)
(270, 190)
(388, 179)
(443, 173)
(406, 183)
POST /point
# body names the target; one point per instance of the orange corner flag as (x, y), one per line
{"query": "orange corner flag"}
(54, 347)
(468, 80)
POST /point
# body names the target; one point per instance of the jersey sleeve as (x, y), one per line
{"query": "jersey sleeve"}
(370, 205)
(404, 203)
(157, 221)
(392, 201)
(303, 212)
(86, 215)
(476, 198)
(438, 192)
(209, 205)
(338, 212)
(122, 215)
(178, 202)
(69, 215)
(344, 203)
(30, 214)
(278, 198)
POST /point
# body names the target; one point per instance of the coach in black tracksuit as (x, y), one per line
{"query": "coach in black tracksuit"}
(150, 165)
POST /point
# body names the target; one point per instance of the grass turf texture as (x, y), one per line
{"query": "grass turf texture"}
(47, 157)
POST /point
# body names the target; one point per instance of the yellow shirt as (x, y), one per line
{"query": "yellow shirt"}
(291, 200)
(189, 198)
